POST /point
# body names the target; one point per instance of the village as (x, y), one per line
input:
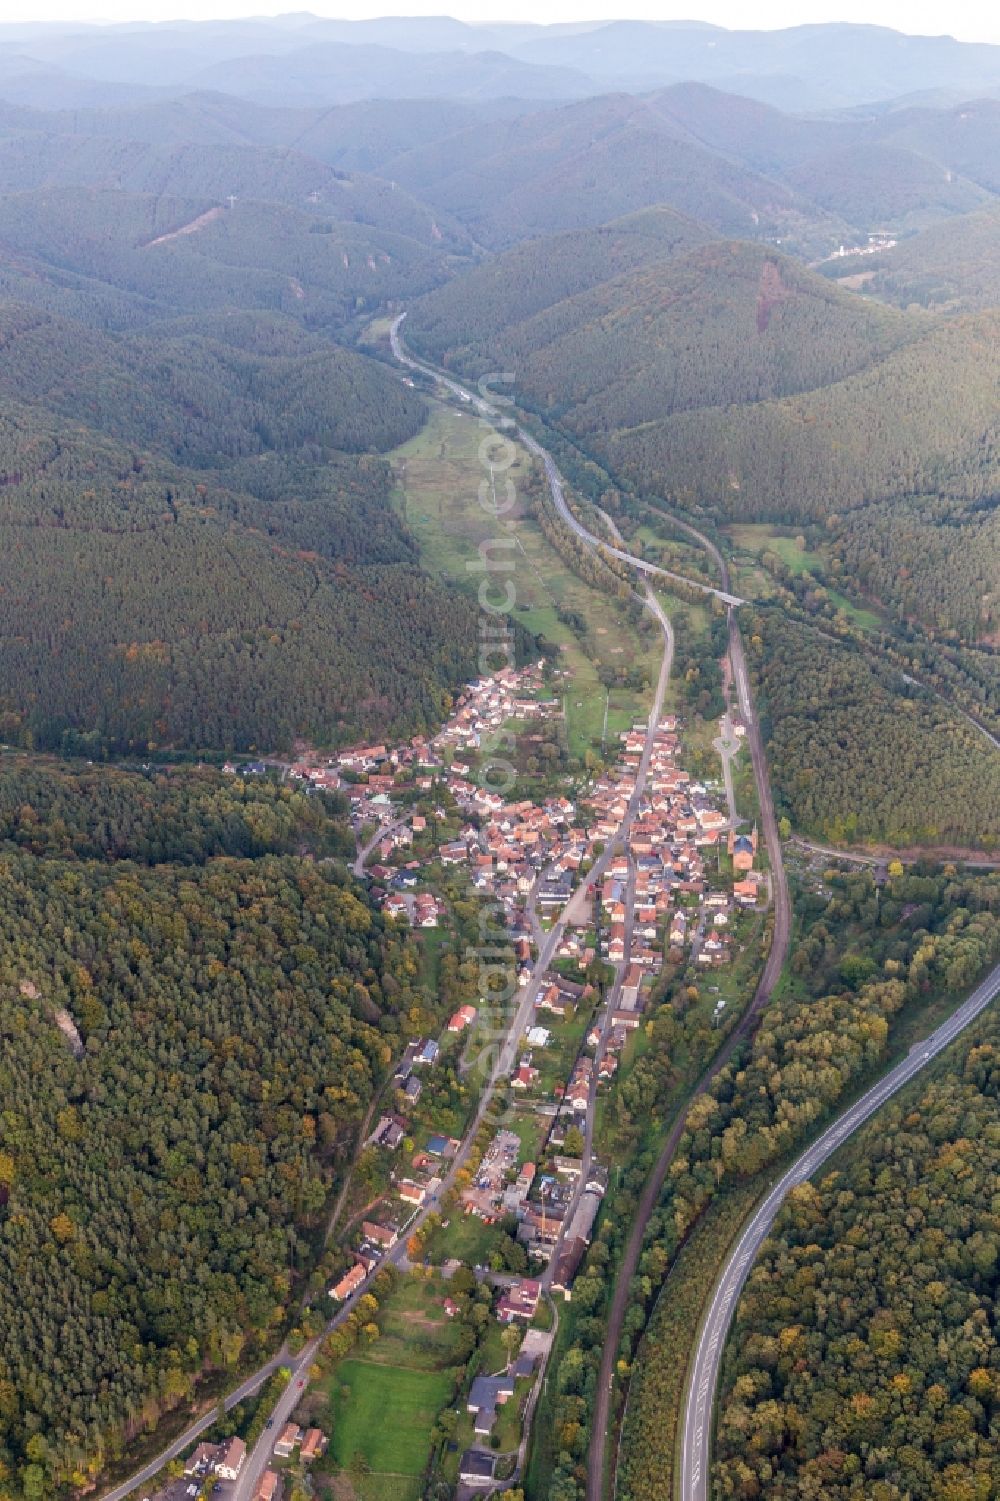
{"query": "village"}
(672, 892)
(677, 893)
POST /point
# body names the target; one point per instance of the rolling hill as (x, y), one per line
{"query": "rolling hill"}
(728, 324)
(147, 604)
(487, 303)
(38, 159)
(951, 266)
(923, 419)
(122, 259)
(285, 58)
(728, 377)
(196, 543)
(208, 391)
(878, 184)
(586, 163)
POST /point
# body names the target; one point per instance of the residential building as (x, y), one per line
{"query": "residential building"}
(519, 1301)
(349, 1283)
(269, 1487)
(313, 1445)
(476, 1467)
(230, 1462)
(287, 1440)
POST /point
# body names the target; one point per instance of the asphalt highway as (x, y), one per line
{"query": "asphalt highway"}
(697, 1430)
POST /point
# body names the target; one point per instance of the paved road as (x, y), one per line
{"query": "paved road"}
(191, 1435)
(374, 841)
(697, 1433)
(773, 966)
(611, 1001)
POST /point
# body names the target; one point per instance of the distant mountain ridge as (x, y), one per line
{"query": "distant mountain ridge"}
(309, 59)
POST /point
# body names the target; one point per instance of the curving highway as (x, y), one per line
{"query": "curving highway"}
(697, 1433)
(552, 474)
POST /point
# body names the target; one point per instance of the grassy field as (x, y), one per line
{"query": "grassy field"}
(438, 476)
(366, 1394)
(408, 1374)
(464, 1237)
(357, 1487)
(759, 537)
(415, 1329)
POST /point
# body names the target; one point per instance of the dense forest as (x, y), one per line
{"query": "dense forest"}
(123, 260)
(145, 604)
(931, 559)
(922, 420)
(490, 302)
(592, 161)
(187, 1050)
(725, 325)
(864, 1358)
(224, 388)
(167, 815)
(950, 266)
(856, 755)
(198, 541)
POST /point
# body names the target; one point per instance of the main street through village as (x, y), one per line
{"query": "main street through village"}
(257, 1460)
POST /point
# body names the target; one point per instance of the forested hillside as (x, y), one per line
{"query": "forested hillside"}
(152, 606)
(950, 267)
(965, 138)
(855, 756)
(123, 260)
(148, 603)
(933, 559)
(864, 1358)
(45, 160)
(198, 546)
(586, 163)
(878, 183)
(180, 816)
(464, 321)
(187, 1051)
(726, 325)
(922, 420)
(211, 391)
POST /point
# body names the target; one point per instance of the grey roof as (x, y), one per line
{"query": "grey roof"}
(478, 1463)
(486, 1391)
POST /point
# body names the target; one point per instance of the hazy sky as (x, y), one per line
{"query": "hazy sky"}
(971, 20)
